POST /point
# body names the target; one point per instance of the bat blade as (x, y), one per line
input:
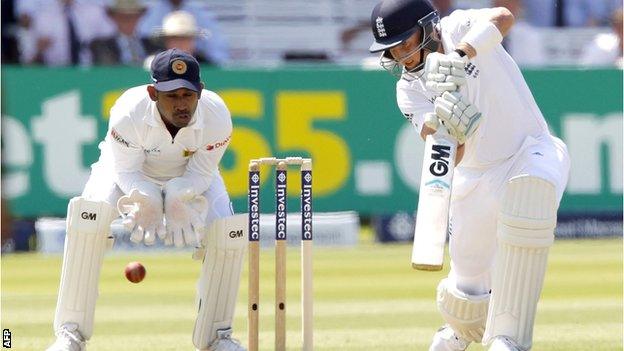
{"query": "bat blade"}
(433, 201)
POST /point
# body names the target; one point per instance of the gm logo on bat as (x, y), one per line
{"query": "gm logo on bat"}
(440, 156)
(88, 215)
(236, 234)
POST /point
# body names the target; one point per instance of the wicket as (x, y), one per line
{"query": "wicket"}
(281, 193)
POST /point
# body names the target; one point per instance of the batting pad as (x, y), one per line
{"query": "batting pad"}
(219, 279)
(526, 226)
(88, 230)
(465, 313)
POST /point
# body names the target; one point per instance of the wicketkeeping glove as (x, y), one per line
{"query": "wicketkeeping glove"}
(185, 214)
(142, 213)
(445, 72)
(457, 114)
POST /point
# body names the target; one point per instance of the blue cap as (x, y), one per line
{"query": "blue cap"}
(174, 69)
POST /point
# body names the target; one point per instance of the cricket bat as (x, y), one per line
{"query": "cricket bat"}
(433, 201)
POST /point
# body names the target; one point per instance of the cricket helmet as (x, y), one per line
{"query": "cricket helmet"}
(393, 21)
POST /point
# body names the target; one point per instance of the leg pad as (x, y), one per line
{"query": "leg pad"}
(88, 230)
(219, 279)
(525, 233)
(465, 313)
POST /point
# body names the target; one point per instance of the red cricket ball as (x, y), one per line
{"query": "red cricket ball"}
(135, 272)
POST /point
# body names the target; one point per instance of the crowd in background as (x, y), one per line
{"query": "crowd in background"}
(600, 19)
(129, 32)
(107, 32)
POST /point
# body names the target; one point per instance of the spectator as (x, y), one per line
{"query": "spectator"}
(27, 6)
(569, 13)
(541, 13)
(523, 37)
(63, 30)
(579, 13)
(125, 47)
(180, 31)
(212, 46)
(9, 50)
(606, 48)
(26, 41)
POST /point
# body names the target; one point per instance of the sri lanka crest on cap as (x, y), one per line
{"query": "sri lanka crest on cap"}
(178, 66)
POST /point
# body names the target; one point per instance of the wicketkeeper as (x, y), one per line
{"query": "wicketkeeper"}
(506, 190)
(158, 167)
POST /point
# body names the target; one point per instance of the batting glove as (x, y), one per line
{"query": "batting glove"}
(185, 214)
(458, 115)
(142, 213)
(445, 72)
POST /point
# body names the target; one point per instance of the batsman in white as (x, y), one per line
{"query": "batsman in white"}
(158, 168)
(511, 171)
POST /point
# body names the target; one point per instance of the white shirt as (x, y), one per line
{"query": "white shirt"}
(494, 85)
(139, 147)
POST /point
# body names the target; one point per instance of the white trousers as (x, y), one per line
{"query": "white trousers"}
(475, 203)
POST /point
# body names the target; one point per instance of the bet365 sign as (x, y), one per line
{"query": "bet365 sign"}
(365, 156)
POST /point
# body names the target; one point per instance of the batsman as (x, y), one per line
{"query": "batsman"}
(158, 168)
(510, 174)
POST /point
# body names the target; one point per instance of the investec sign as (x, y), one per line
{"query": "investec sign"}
(280, 206)
(254, 206)
(306, 205)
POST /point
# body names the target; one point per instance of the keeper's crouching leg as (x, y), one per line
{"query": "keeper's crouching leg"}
(526, 225)
(226, 241)
(88, 237)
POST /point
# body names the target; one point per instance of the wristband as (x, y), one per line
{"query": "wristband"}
(483, 36)
(460, 52)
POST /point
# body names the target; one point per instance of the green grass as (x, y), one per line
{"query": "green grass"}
(365, 298)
